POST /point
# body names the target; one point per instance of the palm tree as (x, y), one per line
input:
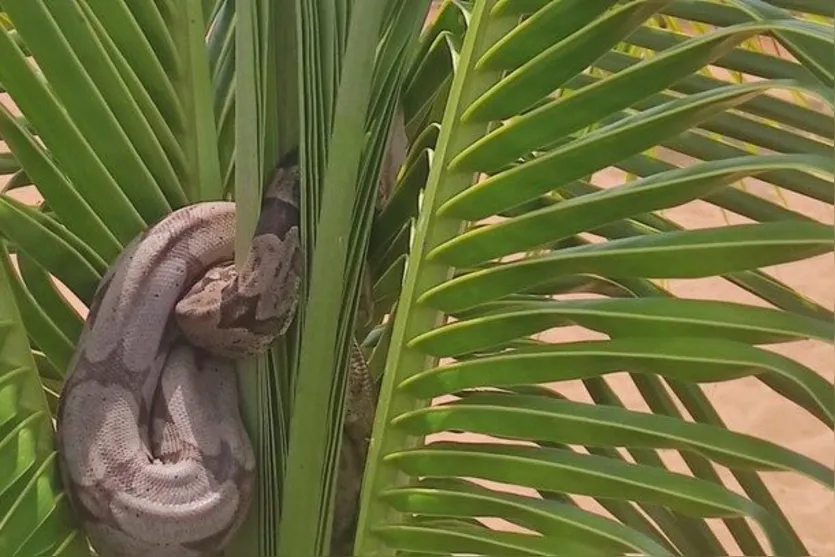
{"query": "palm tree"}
(498, 229)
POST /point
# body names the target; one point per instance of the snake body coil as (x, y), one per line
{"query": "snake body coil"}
(153, 452)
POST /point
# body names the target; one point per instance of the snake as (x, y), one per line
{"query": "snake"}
(153, 452)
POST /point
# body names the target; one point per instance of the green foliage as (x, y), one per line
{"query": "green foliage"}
(536, 106)
(35, 515)
(494, 233)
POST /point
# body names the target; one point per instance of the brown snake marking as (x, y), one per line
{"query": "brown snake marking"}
(153, 451)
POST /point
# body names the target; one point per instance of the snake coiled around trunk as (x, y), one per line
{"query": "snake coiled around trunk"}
(153, 451)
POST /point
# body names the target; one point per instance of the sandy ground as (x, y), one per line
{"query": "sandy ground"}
(745, 405)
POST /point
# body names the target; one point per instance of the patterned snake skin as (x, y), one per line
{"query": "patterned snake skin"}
(153, 451)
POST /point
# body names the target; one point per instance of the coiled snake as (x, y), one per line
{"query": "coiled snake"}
(153, 451)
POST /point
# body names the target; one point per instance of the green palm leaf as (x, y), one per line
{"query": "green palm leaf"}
(35, 516)
(496, 231)
(506, 223)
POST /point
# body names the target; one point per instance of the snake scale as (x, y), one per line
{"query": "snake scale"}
(153, 451)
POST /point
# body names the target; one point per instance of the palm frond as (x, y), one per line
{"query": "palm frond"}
(538, 105)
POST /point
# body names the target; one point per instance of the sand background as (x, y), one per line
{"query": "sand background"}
(745, 405)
